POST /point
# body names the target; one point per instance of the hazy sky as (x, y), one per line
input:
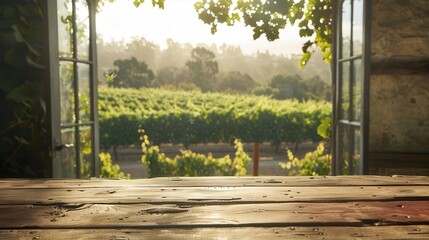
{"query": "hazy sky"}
(179, 21)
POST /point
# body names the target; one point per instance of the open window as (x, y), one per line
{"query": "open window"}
(350, 88)
(73, 88)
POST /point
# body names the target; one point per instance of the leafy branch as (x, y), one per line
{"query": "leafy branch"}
(313, 17)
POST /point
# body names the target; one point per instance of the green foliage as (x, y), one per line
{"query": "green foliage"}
(289, 87)
(187, 118)
(318, 89)
(284, 86)
(312, 164)
(192, 164)
(202, 68)
(313, 17)
(110, 170)
(235, 81)
(137, 3)
(265, 90)
(131, 73)
(324, 129)
(23, 135)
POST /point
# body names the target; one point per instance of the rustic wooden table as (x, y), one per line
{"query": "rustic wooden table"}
(343, 207)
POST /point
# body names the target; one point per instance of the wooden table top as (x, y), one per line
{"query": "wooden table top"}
(342, 207)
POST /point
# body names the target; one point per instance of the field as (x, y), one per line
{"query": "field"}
(205, 122)
(189, 118)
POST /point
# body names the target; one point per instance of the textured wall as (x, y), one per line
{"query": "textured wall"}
(399, 115)
(400, 30)
(399, 96)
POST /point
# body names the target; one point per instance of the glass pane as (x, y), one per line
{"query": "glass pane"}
(346, 29)
(343, 149)
(86, 159)
(68, 153)
(357, 90)
(83, 74)
(357, 26)
(345, 90)
(67, 92)
(82, 25)
(356, 151)
(65, 28)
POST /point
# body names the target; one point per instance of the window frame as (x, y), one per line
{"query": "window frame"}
(337, 82)
(55, 102)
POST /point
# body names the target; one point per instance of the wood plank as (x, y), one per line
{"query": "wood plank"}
(73, 216)
(412, 232)
(211, 195)
(274, 181)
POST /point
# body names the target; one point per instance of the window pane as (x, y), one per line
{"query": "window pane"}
(82, 25)
(343, 149)
(67, 92)
(86, 159)
(345, 90)
(356, 151)
(84, 92)
(68, 153)
(346, 29)
(357, 90)
(357, 26)
(65, 28)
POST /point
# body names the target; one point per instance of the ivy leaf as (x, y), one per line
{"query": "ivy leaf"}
(304, 59)
(16, 57)
(20, 94)
(22, 140)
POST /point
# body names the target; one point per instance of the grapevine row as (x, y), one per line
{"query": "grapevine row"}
(191, 117)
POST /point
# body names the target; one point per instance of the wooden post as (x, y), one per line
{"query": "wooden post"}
(255, 159)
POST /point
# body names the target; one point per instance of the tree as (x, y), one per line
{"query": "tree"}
(130, 74)
(176, 54)
(235, 82)
(170, 76)
(314, 18)
(144, 50)
(202, 68)
(318, 89)
(289, 87)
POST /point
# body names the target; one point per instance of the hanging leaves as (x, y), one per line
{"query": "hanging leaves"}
(268, 17)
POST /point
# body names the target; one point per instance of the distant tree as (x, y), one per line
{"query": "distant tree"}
(202, 68)
(176, 54)
(289, 86)
(143, 50)
(171, 76)
(130, 73)
(235, 82)
(265, 90)
(318, 89)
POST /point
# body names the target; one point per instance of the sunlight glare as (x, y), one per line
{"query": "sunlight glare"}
(179, 21)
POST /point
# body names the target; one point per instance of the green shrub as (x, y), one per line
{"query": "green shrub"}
(312, 164)
(109, 170)
(189, 163)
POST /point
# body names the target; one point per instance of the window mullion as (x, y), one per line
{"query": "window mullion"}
(76, 92)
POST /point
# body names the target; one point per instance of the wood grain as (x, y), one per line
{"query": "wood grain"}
(210, 195)
(342, 207)
(266, 233)
(186, 216)
(273, 181)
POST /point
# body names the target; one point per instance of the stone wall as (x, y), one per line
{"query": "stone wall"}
(399, 82)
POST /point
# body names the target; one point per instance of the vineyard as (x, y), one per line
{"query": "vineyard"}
(188, 118)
